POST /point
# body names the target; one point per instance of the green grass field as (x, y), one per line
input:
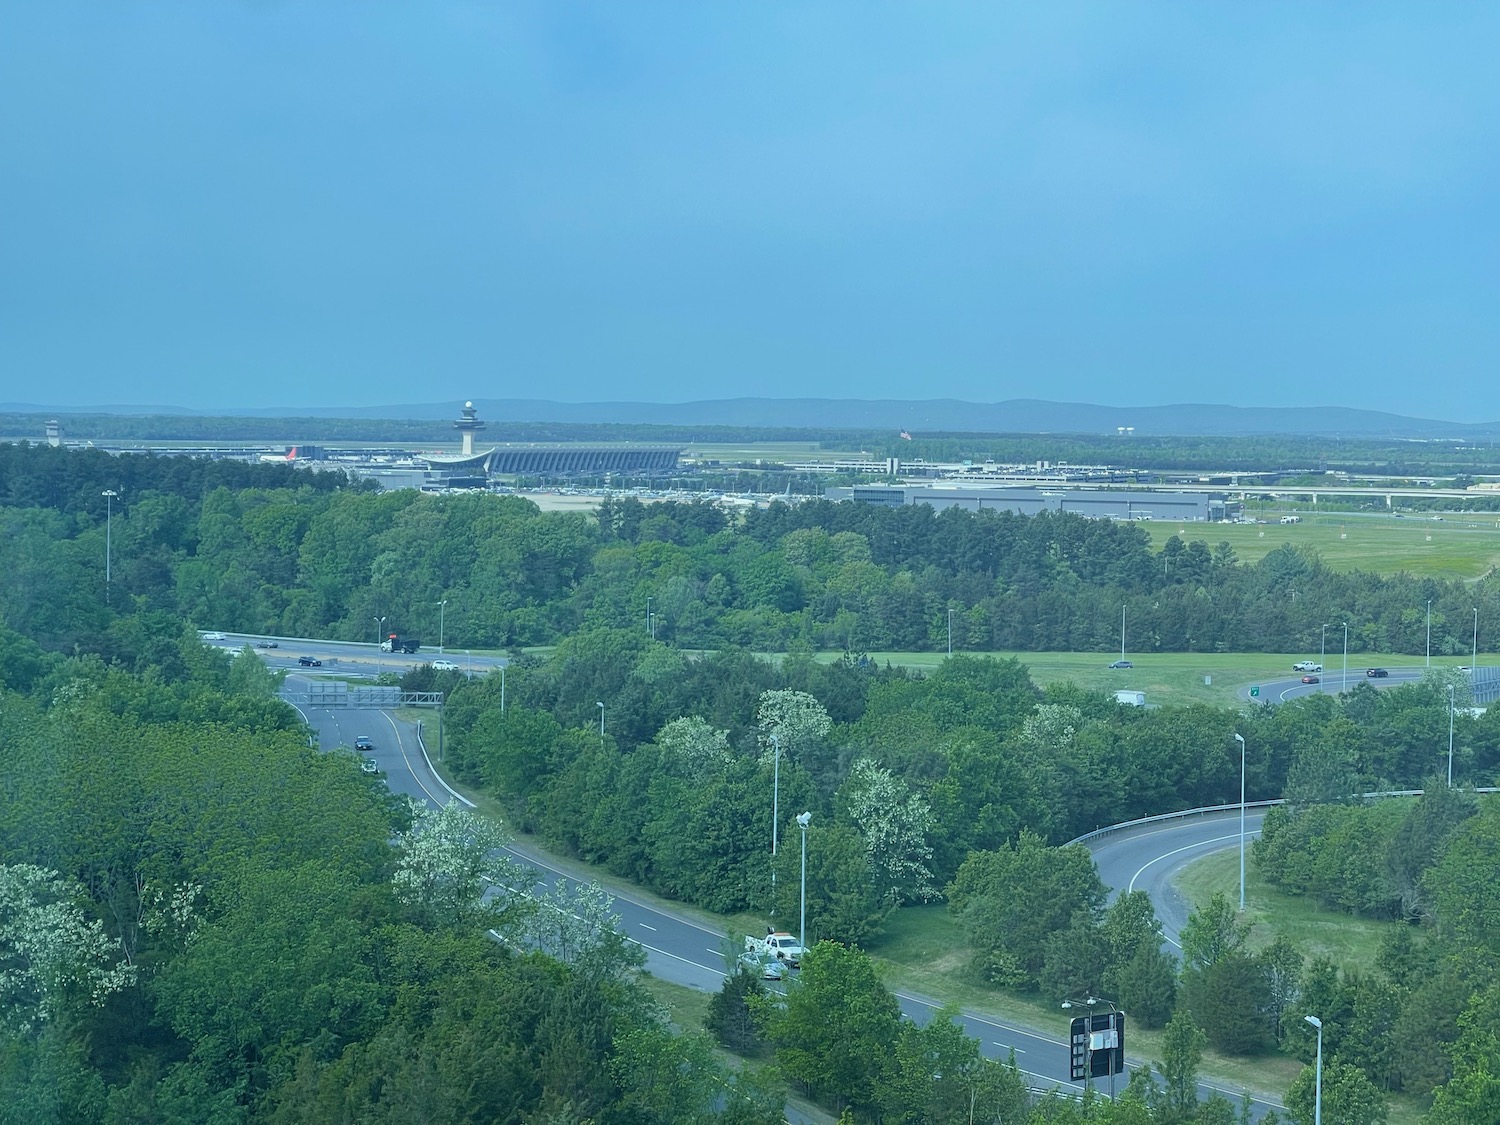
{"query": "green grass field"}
(1169, 677)
(1465, 547)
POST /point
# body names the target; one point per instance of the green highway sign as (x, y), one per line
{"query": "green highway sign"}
(1255, 691)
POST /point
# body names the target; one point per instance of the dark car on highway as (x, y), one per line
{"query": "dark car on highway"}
(364, 742)
(1376, 673)
(1310, 680)
(309, 662)
(266, 644)
(1122, 664)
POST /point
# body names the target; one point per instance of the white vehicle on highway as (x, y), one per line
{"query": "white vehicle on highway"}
(214, 637)
(1307, 666)
(444, 666)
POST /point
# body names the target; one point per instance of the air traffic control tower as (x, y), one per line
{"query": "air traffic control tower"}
(468, 424)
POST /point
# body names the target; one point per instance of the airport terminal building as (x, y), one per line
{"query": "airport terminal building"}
(1188, 507)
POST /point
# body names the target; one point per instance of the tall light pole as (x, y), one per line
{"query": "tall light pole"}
(1122, 632)
(650, 633)
(1429, 632)
(442, 612)
(601, 723)
(1474, 660)
(1318, 1076)
(1322, 649)
(109, 495)
(502, 689)
(950, 630)
(379, 629)
(802, 821)
(1450, 736)
(1241, 740)
(775, 809)
(1344, 685)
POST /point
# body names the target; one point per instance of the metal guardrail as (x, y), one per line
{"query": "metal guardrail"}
(1209, 810)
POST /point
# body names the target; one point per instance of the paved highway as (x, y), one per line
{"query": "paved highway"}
(686, 950)
(1332, 679)
(349, 658)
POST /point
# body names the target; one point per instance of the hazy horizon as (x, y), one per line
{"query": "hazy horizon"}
(247, 206)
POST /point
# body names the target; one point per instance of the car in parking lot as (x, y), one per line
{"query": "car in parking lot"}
(1310, 680)
(364, 742)
(1376, 673)
(309, 662)
(444, 666)
(1122, 664)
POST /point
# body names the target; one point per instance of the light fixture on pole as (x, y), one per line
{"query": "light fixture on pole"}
(379, 629)
(650, 633)
(803, 819)
(1241, 740)
(1474, 660)
(442, 612)
(1429, 632)
(109, 495)
(1450, 736)
(502, 689)
(1122, 632)
(601, 722)
(950, 630)
(1318, 1075)
(1344, 686)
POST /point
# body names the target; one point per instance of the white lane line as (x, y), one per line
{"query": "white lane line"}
(643, 926)
(1017, 1050)
(1176, 851)
(406, 758)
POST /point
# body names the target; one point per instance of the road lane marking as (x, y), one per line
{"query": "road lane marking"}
(646, 927)
(1175, 851)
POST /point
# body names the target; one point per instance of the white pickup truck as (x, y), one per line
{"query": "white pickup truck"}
(1307, 666)
(778, 946)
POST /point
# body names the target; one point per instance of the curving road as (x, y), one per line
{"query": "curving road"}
(688, 951)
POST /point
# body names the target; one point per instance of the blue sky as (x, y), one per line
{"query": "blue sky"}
(268, 203)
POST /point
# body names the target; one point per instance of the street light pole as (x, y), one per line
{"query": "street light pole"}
(109, 495)
(775, 809)
(1450, 736)
(442, 612)
(379, 630)
(1344, 685)
(1429, 632)
(1474, 660)
(502, 689)
(1318, 1076)
(1322, 650)
(802, 821)
(1122, 632)
(1241, 740)
(950, 630)
(648, 616)
(601, 723)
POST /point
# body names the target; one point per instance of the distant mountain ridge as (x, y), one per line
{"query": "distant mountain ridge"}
(1016, 416)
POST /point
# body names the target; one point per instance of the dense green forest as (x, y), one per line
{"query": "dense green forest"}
(254, 548)
(205, 920)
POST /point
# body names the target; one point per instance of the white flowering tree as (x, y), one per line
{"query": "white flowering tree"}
(894, 823)
(453, 870)
(50, 954)
(576, 923)
(694, 749)
(797, 720)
